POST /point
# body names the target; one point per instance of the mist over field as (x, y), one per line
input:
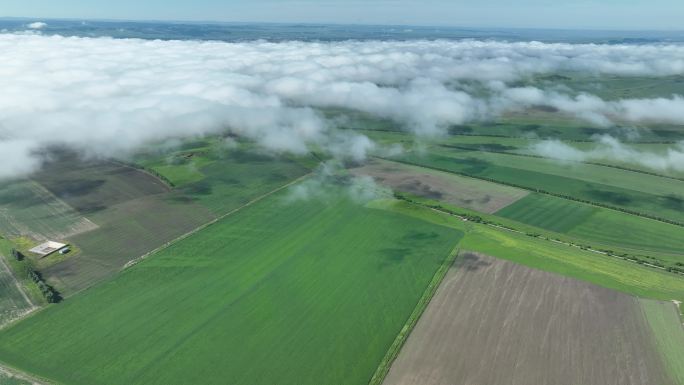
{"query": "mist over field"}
(108, 97)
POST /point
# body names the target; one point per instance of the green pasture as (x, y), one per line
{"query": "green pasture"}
(669, 334)
(282, 292)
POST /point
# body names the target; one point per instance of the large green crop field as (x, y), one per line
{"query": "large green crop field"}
(305, 292)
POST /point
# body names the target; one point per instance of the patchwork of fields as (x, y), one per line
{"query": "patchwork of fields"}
(553, 257)
(288, 293)
(114, 213)
(495, 322)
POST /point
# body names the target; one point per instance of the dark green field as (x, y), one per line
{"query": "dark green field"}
(302, 293)
(599, 227)
(548, 212)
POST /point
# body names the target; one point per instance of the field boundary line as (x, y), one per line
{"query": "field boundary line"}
(137, 260)
(394, 349)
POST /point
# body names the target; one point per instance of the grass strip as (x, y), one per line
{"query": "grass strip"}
(395, 348)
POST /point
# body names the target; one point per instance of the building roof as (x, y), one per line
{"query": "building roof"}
(47, 248)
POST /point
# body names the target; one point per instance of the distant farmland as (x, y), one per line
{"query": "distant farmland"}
(302, 293)
(495, 322)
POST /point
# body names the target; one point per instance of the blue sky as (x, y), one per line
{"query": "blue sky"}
(576, 14)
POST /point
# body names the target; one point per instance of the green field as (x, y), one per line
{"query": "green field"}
(557, 258)
(605, 228)
(219, 178)
(669, 334)
(308, 292)
(548, 212)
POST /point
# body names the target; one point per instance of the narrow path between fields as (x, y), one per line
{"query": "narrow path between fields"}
(204, 226)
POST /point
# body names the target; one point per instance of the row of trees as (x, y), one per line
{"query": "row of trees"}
(16, 254)
(49, 292)
(150, 171)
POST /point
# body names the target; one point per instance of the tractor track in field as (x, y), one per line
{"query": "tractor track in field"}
(135, 261)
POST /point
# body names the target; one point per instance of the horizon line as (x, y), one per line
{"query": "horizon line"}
(311, 23)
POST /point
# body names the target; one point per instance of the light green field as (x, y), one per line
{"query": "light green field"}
(602, 228)
(669, 334)
(309, 292)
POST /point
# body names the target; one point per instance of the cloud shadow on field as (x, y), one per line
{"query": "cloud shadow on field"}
(472, 262)
(474, 165)
(673, 202)
(612, 197)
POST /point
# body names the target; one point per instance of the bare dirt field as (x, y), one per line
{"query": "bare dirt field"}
(494, 322)
(460, 191)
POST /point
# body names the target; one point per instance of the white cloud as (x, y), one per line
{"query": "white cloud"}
(107, 97)
(37, 25)
(609, 148)
(594, 109)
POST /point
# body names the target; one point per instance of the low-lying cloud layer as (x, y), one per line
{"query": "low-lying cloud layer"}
(107, 97)
(609, 148)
